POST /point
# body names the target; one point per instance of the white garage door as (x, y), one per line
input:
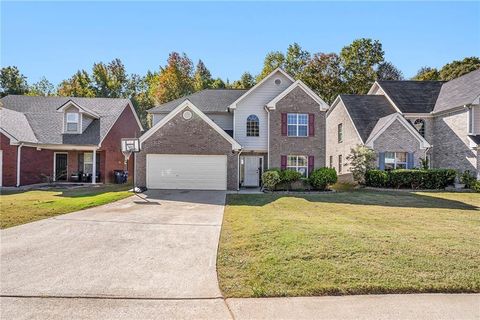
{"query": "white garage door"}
(174, 171)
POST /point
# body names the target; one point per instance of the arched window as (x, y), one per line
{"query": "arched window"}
(253, 129)
(419, 124)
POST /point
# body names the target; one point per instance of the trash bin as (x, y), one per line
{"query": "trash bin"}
(121, 176)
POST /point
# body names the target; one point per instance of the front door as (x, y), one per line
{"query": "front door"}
(60, 166)
(252, 171)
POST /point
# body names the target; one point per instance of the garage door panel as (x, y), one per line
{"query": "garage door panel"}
(207, 172)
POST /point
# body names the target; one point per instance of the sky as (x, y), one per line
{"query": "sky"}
(55, 39)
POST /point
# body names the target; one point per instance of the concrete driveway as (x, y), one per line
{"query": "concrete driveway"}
(160, 245)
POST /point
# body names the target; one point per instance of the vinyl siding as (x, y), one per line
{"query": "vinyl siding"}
(476, 119)
(254, 103)
(86, 120)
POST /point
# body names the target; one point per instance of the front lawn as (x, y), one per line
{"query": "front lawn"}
(357, 242)
(18, 207)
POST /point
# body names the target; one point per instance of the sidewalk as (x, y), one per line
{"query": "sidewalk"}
(368, 307)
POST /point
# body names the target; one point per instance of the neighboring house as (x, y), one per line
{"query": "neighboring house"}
(224, 139)
(407, 121)
(63, 138)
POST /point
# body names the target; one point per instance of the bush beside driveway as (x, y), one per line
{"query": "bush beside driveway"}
(359, 242)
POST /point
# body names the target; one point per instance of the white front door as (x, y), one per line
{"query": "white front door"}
(252, 171)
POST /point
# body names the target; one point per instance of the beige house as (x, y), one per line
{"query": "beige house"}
(407, 121)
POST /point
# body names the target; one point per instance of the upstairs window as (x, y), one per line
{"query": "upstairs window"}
(297, 125)
(253, 127)
(419, 124)
(72, 122)
(340, 132)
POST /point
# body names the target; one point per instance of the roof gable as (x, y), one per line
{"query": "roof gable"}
(15, 125)
(258, 85)
(188, 104)
(365, 111)
(298, 84)
(385, 122)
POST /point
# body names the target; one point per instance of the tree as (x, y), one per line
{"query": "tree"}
(202, 79)
(360, 60)
(361, 159)
(427, 74)
(296, 60)
(458, 68)
(324, 75)
(246, 81)
(12, 81)
(218, 84)
(174, 80)
(41, 88)
(272, 61)
(137, 90)
(79, 85)
(387, 71)
(109, 79)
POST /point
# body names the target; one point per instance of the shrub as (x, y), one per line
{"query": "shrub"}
(468, 179)
(414, 179)
(476, 186)
(270, 179)
(361, 160)
(321, 178)
(289, 176)
(376, 178)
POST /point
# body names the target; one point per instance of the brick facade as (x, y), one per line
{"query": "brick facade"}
(111, 155)
(193, 136)
(451, 145)
(350, 138)
(36, 166)
(297, 101)
(396, 138)
(9, 162)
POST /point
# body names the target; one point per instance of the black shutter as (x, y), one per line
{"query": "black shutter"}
(80, 162)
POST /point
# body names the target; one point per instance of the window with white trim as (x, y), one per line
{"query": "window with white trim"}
(297, 125)
(72, 120)
(253, 127)
(395, 160)
(340, 132)
(88, 162)
(298, 163)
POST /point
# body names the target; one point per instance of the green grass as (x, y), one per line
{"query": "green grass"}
(19, 207)
(358, 242)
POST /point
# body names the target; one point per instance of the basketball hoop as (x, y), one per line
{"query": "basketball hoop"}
(129, 146)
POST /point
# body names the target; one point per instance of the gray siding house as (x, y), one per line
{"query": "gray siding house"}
(224, 139)
(407, 121)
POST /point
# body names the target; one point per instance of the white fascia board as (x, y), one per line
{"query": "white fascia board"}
(60, 146)
(323, 105)
(423, 143)
(189, 104)
(135, 115)
(418, 115)
(80, 108)
(334, 104)
(234, 104)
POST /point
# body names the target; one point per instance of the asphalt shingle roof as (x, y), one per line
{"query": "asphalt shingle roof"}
(16, 124)
(458, 92)
(208, 100)
(366, 110)
(412, 96)
(46, 122)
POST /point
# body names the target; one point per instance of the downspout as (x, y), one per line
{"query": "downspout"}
(19, 154)
(238, 169)
(268, 137)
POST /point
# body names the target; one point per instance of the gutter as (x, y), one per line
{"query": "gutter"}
(19, 154)
(238, 169)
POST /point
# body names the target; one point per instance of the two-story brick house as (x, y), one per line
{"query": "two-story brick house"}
(407, 121)
(225, 139)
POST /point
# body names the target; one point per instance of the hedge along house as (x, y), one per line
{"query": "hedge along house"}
(407, 121)
(63, 138)
(225, 139)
